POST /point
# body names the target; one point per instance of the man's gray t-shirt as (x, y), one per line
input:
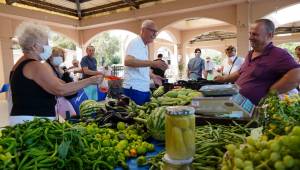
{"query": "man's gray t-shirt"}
(90, 63)
(195, 66)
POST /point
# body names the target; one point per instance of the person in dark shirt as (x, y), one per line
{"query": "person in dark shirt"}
(266, 67)
(89, 68)
(89, 63)
(158, 71)
(158, 80)
(55, 61)
(34, 85)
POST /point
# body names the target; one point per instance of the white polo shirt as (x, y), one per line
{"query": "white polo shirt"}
(137, 78)
(235, 67)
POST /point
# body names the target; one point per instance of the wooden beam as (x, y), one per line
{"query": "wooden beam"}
(49, 6)
(80, 1)
(104, 8)
(78, 9)
(10, 2)
(132, 3)
(111, 7)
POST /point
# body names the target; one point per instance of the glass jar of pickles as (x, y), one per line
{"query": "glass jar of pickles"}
(180, 133)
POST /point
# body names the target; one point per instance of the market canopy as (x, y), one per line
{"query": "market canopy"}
(82, 8)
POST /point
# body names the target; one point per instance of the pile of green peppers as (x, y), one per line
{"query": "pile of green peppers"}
(45, 144)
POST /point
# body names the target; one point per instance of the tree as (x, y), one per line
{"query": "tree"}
(290, 47)
(62, 42)
(107, 49)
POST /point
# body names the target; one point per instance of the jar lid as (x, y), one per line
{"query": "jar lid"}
(180, 110)
(168, 160)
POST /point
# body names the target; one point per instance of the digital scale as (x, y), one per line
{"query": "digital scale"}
(232, 105)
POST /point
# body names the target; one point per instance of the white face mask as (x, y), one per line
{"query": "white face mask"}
(57, 60)
(232, 58)
(47, 52)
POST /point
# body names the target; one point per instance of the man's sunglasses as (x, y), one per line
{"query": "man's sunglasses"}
(152, 30)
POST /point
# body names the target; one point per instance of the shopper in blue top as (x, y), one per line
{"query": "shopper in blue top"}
(89, 63)
(89, 68)
(137, 71)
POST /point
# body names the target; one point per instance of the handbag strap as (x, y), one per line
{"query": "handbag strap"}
(232, 65)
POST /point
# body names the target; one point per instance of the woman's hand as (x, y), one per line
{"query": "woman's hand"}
(96, 79)
(220, 79)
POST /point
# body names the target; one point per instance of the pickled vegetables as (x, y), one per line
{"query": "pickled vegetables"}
(180, 136)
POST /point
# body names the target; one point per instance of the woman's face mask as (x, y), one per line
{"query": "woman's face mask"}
(57, 60)
(47, 50)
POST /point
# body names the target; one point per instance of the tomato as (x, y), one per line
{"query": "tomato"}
(141, 160)
(231, 148)
(150, 147)
(250, 141)
(121, 126)
(275, 156)
(133, 152)
(265, 154)
(279, 165)
(141, 150)
(248, 164)
(238, 154)
(275, 146)
(248, 168)
(288, 161)
(127, 153)
(238, 162)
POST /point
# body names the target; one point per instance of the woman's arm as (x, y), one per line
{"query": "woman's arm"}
(43, 75)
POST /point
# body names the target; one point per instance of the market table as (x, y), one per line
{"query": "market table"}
(159, 146)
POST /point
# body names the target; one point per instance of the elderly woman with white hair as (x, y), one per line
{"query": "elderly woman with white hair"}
(34, 85)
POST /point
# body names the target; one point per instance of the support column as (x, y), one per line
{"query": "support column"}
(6, 61)
(243, 23)
(185, 60)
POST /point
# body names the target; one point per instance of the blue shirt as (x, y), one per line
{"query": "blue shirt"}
(90, 63)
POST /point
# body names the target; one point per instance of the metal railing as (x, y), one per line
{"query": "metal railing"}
(117, 70)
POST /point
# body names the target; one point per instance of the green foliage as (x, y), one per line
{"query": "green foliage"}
(62, 42)
(290, 46)
(108, 49)
(217, 60)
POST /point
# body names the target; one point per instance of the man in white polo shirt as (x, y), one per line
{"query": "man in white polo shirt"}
(137, 74)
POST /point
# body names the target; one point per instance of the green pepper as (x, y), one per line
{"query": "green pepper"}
(141, 150)
(111, 160)
(121, 126)
(141, 161)
(106, 143)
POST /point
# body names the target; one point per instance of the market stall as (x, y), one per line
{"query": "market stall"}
(118, 134)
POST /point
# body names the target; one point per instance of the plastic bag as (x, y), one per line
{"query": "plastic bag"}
(219, 90)
(103, 87)
(64, 107)
(102, 90)
(76, 101)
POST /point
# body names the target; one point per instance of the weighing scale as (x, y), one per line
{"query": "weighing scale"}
(232, 105)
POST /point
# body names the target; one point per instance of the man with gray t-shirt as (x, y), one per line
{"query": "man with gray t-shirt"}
(196, 66)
